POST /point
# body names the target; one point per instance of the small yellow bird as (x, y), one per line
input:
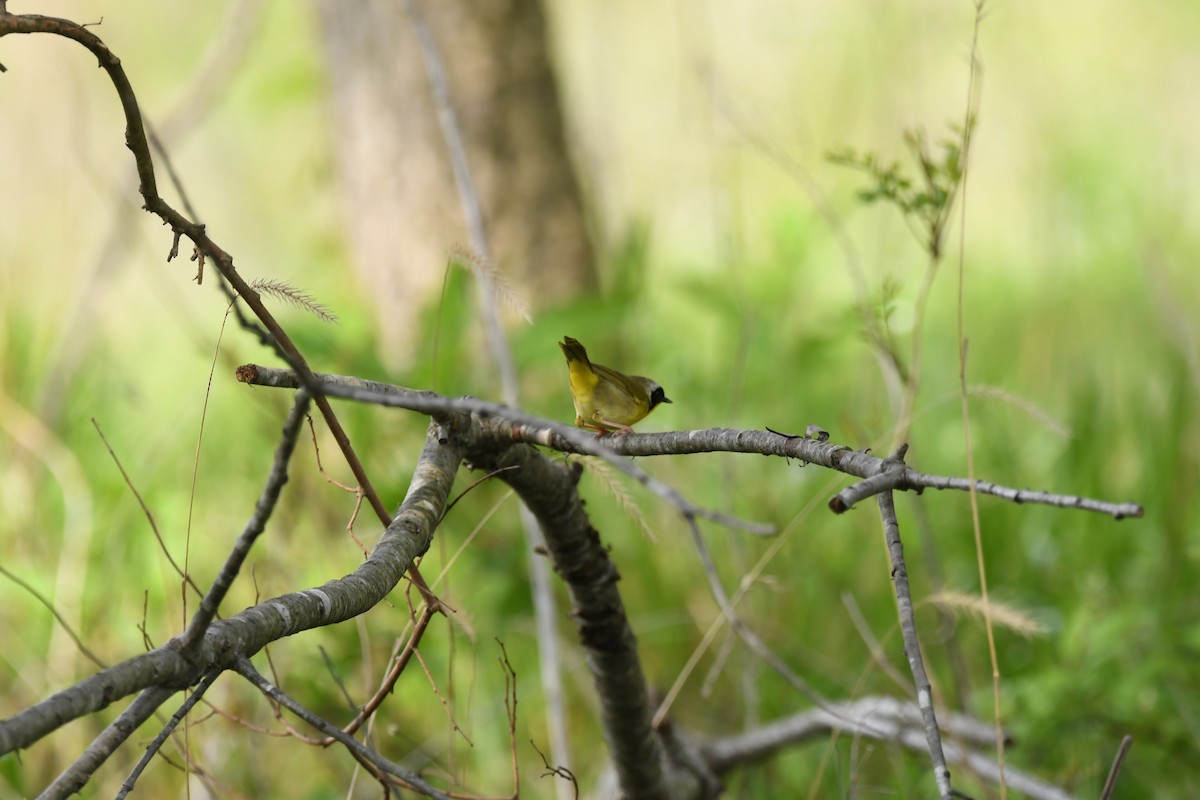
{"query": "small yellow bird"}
(607, 400)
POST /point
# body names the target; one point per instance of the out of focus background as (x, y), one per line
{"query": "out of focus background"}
(657, 184)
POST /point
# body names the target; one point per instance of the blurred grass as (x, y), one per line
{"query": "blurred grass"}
(723, 283)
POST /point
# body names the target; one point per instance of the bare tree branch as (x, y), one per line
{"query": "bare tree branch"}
(912, 644)
(274, 335)
(499, 424)
(508, 424)
(650, 761)
(243, 635)
(504, 426)
(548, 489)
(80, 772)
(881, 718)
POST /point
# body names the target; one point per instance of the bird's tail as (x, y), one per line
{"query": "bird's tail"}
(574, 351)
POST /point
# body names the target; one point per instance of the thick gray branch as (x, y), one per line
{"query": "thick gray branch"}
(549, 490)
(245, 634)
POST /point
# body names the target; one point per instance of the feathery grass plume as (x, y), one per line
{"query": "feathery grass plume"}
(474, 262)
(1003, 614)
(611, 482)
(281, 290)
(1021, 404)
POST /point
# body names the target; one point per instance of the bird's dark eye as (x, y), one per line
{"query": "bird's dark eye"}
(658, 396)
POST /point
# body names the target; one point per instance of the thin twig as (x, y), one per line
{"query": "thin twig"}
(1110, 784)
(873, 647)
(389, 681)
(747, 582)
(912, 644)
(454, 726)
(510, 712)
(194, 697)
(162, 545)
(247, 670)
(66, 626)
(254, 527)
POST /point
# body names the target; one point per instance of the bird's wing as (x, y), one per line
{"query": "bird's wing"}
(618, 381)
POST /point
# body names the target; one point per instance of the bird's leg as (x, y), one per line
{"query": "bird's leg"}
(599, 429)
(616, 427)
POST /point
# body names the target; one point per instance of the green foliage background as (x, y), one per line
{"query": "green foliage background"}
(699, 132)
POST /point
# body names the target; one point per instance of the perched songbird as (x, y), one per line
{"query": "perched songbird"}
(607, 400)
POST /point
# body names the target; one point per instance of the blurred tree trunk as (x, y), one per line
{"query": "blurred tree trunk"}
(401, 207)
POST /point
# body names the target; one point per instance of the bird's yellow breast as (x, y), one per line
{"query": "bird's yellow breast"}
(583, 388)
